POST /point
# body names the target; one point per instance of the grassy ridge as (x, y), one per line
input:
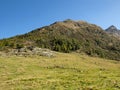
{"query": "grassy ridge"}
(64, 72)
(68, 36)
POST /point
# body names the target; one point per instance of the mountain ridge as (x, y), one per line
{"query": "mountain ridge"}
(67, 36)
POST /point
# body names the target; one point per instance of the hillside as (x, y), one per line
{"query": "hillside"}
(71, 71)
(67, 36)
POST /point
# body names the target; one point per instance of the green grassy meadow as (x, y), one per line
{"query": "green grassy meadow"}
(63, 72)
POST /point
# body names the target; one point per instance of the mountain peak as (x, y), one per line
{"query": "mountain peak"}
(68, 36)
(75, 24)
(68, 20)
(112, 28)
(113, 31)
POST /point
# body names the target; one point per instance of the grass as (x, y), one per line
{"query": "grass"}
(63, 72)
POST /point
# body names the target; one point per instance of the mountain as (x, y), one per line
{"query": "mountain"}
(113, 31)
(67, 36)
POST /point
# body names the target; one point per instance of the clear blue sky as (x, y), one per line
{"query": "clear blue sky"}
(21, 16)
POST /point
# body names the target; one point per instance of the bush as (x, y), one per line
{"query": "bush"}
(65, 45)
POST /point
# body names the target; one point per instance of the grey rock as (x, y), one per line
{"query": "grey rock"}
(30, 52)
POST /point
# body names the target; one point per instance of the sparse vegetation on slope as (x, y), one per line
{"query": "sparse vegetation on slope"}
(71, 71)
(68, 36)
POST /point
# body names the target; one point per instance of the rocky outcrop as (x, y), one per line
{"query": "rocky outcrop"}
(30, 51)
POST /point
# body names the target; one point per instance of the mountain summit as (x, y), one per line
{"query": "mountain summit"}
(113, 31)
(67, 36)
(112, 28)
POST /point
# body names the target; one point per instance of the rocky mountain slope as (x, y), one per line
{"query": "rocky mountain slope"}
(67, 36)
(113, 31)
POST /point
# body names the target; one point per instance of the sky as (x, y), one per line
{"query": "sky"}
(22, 16)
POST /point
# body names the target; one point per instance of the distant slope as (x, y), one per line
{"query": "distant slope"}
(69, 36)
(113, 31)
